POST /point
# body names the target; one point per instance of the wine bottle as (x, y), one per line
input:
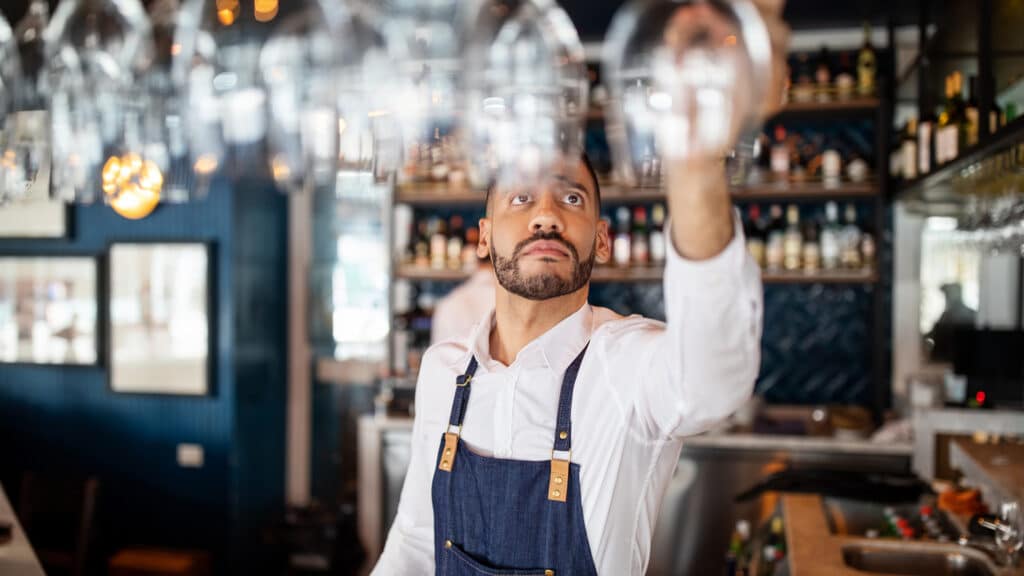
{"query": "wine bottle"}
(866, 65)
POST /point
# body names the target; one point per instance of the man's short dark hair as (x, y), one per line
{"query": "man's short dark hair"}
(590, 170)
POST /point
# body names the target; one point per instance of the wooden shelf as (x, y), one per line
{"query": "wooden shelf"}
(851, 105)
(936, 185)
(613, 194)
(607, 274)
(856, 104)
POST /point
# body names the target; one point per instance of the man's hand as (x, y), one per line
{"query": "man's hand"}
(698, 197)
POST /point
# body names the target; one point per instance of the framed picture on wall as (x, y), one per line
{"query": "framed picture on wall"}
(48, 310)
(34, 214)
(161, 327)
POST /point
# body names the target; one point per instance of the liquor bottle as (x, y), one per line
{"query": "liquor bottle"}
(640, 238)
(845, 82)
(421, 248)
(621, 249)
(945, 149)
(971, 113)
(438, 164)
(908, 151)
(803, 87)
(850, 256)
(774, 252)
(868, 249)
(737, 557)
(866, 65)
(780, 155)
(925, 144)
(754, 232)
(793, 243)
(996, 117)
(823, 75)
(831, 165)
(470, 262)
(812, 247)
(830, 237)
(958, 116)
(456, 237)
(438, 244)
(658, 247)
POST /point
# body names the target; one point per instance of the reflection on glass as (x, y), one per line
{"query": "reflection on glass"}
(159, 320)
(9, 78)
(96, 49)
(950, 287)
(48, 310)
(526, 92)
(687, 78)
(26, 151)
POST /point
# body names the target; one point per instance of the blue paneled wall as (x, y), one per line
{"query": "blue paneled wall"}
(67, 418)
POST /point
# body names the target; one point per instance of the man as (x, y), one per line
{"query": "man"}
(544, 440)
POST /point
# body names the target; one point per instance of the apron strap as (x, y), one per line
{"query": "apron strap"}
(451, 439)
(558, 482)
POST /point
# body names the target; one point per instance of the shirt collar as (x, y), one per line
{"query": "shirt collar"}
(555, 349)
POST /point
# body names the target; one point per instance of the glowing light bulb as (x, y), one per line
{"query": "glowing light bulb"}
(132, 186)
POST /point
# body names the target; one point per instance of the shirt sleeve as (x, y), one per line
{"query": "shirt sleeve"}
(409, 549)
(702, 367)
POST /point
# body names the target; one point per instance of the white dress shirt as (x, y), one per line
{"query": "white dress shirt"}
(642, 387)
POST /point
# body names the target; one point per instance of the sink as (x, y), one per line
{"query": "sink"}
(914, 562)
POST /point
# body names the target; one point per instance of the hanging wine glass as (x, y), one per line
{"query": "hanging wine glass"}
(26, 130)
(249, 73)
(95, 51)
(425, 40)
(525, 94)
(687, 78)
(300, 64)
(10, 72)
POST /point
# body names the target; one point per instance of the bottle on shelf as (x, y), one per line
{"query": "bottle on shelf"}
(926, 144)
(774, 252)
(830, 244)
(469, 257)
(754, 231)
(738, 555)
(845, 82)
(641, 255)
(972, 129)
(793, 242)
(823, 75)
(868, 249)
(621, 249)
(456, 237)
(657, 241)
(438, 244)
(812, 247)
(780, 155)
(908, 151)
(866, 65)
(831, 166)
(421, 248)
(850, 256)
(773, 553)
(803, 87)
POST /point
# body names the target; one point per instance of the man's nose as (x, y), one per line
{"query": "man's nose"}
(546, 218)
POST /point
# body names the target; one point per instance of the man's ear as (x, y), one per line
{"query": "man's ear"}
(603, 245)
(483, 247)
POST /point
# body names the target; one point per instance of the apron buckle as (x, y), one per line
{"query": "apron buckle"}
(451, 444)
(558, 481)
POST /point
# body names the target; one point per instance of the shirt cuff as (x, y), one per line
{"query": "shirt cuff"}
(715, 273)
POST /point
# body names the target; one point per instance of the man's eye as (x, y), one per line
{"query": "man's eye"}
(520, 199)
(573, 198)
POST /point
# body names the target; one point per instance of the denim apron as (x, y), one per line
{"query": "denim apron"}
(510, 517)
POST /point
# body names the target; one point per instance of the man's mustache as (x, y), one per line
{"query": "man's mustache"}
(551, 236)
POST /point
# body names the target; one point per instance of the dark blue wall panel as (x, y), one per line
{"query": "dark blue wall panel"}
(67, 418)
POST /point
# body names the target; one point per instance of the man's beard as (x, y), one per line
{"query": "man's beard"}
(542, 286)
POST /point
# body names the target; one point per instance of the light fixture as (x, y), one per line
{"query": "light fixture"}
(132, 185)
(95, 51)
(687, 78)
(259, 84)
(525, 93)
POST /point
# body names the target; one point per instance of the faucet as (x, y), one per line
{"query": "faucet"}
(1005, 545)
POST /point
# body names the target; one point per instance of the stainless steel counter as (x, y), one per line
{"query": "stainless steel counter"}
(698, 512)
(16, 556)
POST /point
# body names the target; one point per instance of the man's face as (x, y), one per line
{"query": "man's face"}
(543, 241)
